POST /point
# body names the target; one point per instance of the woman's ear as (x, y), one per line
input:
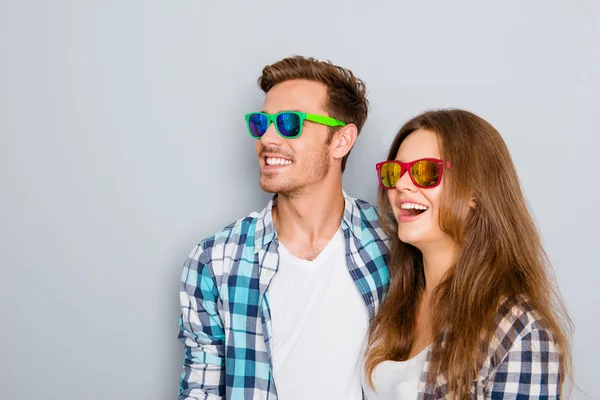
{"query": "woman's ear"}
(473, 201)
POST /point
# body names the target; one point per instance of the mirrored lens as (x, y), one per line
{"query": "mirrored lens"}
(390, 174)
(288, 124)
(426, 173)
(257, 123)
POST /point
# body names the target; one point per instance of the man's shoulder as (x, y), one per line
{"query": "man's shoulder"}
(217, 254)
(364, 214)
(236, 232)
(368, 210)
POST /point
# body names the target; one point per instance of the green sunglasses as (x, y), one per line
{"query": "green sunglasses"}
(287, 123)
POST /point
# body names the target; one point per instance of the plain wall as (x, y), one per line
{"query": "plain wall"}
(123, 144)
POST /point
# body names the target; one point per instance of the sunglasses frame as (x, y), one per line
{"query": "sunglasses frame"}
(407, 166)
(272, 118)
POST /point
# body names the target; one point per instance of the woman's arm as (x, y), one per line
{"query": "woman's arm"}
(530, 369)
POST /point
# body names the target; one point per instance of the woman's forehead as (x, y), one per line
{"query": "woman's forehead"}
(421, 143)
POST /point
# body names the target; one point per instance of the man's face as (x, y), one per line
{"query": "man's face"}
(290, 166)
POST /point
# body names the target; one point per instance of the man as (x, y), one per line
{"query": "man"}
(277, 305)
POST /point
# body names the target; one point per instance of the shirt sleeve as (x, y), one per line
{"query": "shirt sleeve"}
(201, 332)
(530, 369)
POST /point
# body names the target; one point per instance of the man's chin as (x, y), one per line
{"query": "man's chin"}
(270, 187)
(275, 187)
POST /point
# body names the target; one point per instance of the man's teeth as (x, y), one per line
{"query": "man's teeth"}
(413, 206)
(277, 161)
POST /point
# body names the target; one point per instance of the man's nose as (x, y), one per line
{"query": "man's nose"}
(271, 137)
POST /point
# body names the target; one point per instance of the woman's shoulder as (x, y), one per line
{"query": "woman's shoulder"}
(516, 316)
(516, 321)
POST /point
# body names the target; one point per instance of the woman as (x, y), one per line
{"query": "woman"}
(473, 310)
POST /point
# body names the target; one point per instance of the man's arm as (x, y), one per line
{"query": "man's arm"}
(201, 332)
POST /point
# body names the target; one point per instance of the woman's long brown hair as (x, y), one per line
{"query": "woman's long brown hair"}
(500, 257)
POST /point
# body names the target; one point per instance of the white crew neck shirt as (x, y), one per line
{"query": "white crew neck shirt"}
(319, 323)
(393, 380)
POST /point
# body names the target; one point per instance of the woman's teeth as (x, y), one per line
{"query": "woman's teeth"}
(413, 206)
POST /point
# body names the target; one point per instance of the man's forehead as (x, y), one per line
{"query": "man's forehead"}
(296, 95)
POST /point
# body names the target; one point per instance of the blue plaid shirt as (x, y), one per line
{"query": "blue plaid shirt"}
(226, 321)
(523, 361)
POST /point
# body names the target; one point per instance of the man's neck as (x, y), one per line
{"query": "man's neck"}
(305, 223)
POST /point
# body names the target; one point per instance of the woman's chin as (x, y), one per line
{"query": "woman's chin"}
(409, 238)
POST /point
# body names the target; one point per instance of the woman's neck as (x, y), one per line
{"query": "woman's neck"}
(437, 261)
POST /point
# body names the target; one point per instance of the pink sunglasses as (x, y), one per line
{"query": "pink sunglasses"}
(425, 173)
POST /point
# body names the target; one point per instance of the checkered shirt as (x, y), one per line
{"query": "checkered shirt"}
(225, 323)
(523, 361)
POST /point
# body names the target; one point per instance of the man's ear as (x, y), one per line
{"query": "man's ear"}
(343, 140)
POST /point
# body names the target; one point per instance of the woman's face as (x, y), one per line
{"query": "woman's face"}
(417, 209)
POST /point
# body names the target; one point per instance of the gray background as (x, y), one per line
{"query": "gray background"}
(123, 144)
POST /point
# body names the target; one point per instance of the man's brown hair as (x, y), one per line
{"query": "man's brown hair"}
(346, 94)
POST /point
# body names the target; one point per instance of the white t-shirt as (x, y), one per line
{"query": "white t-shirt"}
(396, 379)
(319, 322)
